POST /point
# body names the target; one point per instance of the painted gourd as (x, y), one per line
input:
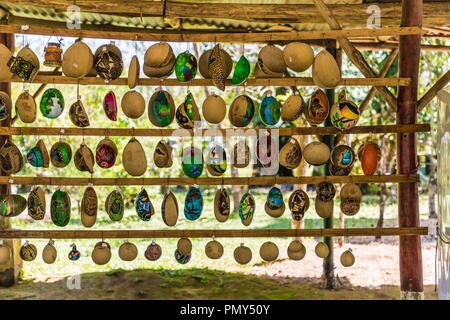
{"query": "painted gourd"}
(12, 205)
(192, 162)
(298, 204)
(161, 109)
(187, 114)
(369, 154)
(193, 204)
(36, 204)
(115, 206)
(217, 161)
(181, 258)
(242, 111)
(269, 111)
(185, 67)
(241, 71)
(274, 205)
(222, 205)
(246, 209)
(52, 103)
(144, 207)
(318, 108)
(60, 208)
(110, 106)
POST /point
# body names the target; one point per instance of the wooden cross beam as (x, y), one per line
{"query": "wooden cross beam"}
(353, 54)
(387, 65)
(432, 92)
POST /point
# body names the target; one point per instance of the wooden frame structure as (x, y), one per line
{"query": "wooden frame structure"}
(410, 31)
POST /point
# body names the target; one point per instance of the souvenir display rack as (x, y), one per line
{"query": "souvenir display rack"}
(55, 77)
(410, 32)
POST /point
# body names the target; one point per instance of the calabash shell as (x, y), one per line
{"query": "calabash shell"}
(214, 249)
(162, 96)
(322, 250)
(101, 255)
(222, 205)
(133, 104)
(324, 209)
(11, 159)
(5, 55)
(369, 155)
(134, 159)
(347, 258)
(49, 254)
(5, 254)
(78, 60)
(227, 62)
(242, 254)
(133, 72)
(128, 251)
(296, 250)
(271, 59)
(292, 108)
(325, 70)
(214, 109)
(26, 107)
(318, 108)
(269, 251)
(316, 153)
(28, 252)
(36, 204)
(158, 55)
(184, 246)
(298, 56)
(169, 209)
(242, 111)
(290, 154)
(241, 155)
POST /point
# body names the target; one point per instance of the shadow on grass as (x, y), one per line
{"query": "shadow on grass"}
(166, 284)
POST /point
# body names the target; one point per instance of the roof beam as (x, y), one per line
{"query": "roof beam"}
(435, 13)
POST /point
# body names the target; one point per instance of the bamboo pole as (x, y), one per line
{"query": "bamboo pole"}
(218, 233)
(129, 132)
(52, 78)
(266, 180)
(213, 36)
(411, 271)
(387, 65)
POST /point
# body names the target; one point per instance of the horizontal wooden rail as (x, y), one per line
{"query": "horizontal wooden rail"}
(124, 132)
(230, 233)
(260, 82)
(78, 181)
(213, 36)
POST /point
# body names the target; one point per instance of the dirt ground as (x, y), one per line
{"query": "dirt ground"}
(375, 275)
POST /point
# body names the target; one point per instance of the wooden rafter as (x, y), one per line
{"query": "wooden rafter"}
(387, 65)
(198, 233)
(238, 181)
(435, 14)
(123, 132)
(211, 36)
(51, 78)
(432, 92)
(353, 54)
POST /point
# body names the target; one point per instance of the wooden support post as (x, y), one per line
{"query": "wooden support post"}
(328, 262)
(411, 277)
(9, 272)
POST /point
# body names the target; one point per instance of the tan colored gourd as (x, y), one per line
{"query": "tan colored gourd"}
(101, 253)
(49, 253)
(298, 56)
(322, 250)
(78, 60)
(316, 153)
(133, 104)
(296, 250)
(184, 246)
(242, 254)
(347, 258)
(269, 251)
(134, 159)
(214, 249)
(214, 109)
(325, 70)
(128, 251)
